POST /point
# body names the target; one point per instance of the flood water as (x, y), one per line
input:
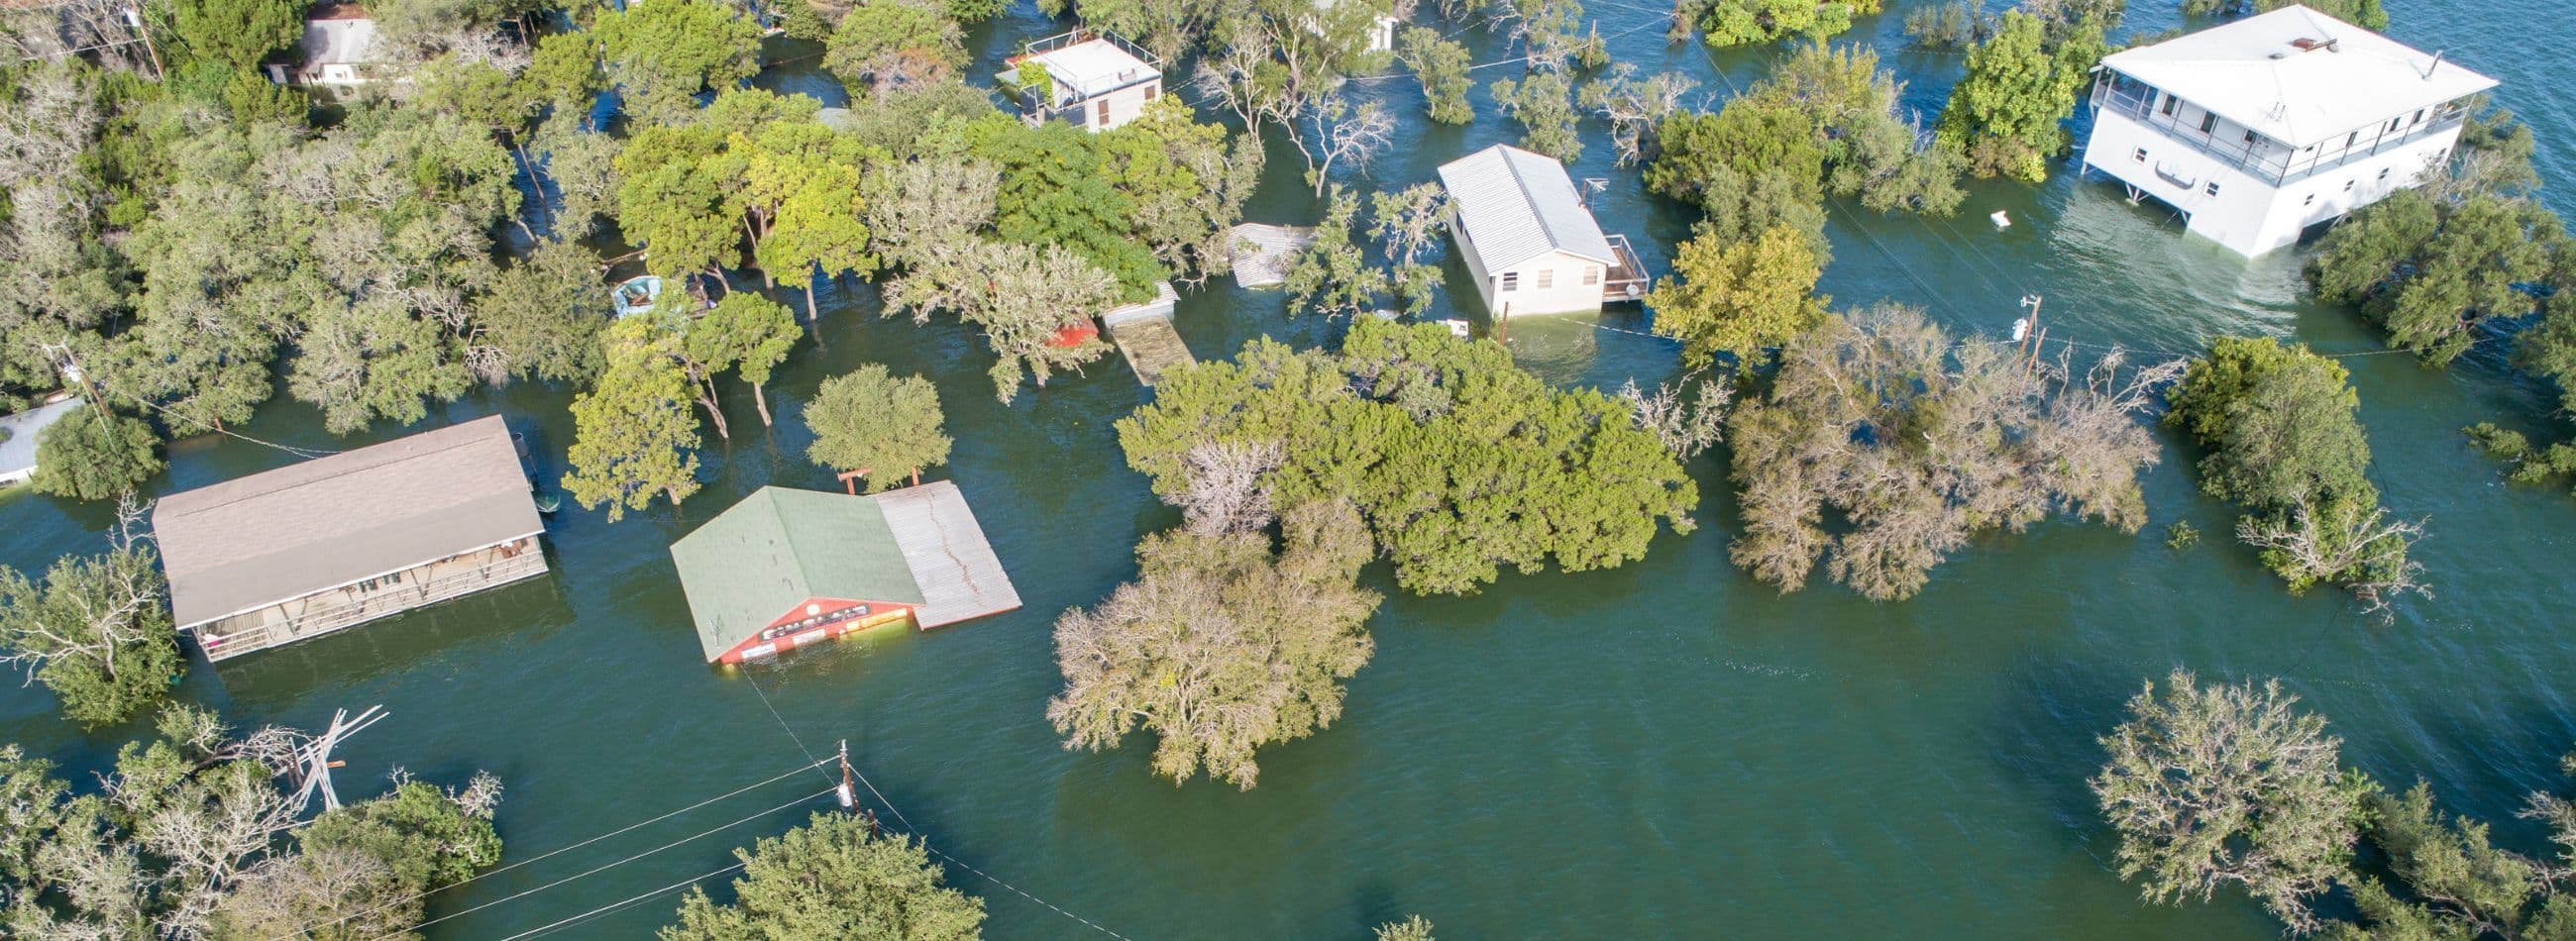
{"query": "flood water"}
(1664, 749)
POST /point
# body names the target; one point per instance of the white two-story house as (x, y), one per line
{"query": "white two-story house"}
(2257, 129)
(1529, 240)
(1095, 81)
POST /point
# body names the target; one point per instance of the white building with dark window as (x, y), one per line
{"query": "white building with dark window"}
(1529, 240)
(339, 48)
(1093, 80)
(2257, 129)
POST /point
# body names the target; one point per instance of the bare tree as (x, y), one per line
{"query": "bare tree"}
(97, 632)
(1343, 133)
(1688, 425)
(1634, 107)
(1226, 492)
(2353, 544)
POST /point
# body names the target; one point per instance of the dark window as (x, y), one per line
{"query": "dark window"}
(2417, 119)
(1510, 281)
(2310, 201)
(1153, 91)
(2250, 138)
(2140, 156)
(2171, 103)
(2347, 185)
(2208, 122)
(2212, 188)
(1104, 113)
(2383, 174)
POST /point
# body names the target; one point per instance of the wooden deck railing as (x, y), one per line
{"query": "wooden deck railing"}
(369, 606)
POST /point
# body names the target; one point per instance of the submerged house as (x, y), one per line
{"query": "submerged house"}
(2257, 129)
(339, 48)
(18, 434)
(1529, 240)
(1091, 80)
(341, 540)
(786, 568)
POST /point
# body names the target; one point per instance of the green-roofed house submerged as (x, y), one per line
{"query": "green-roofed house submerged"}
(785, 568)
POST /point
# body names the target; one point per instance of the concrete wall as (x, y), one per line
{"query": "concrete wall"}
(2248, 214)
(1125, 105)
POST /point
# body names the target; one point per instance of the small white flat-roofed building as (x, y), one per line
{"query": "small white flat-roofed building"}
(1528, 239)
(339, 48)
(2257, 129)
(19, 434)
(1093, 80)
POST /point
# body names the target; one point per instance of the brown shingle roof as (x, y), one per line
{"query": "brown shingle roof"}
(254, 541)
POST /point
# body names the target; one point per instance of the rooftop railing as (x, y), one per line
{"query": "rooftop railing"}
(2263, 158)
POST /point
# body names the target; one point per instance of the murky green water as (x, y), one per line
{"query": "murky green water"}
(1667, 749)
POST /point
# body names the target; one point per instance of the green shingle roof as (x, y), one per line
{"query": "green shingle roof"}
(779, 547)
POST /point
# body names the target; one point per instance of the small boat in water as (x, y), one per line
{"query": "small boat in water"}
(636, 296)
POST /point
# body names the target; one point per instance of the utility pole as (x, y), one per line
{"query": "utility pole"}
(70, 369)
(848, 797)
(134, 15)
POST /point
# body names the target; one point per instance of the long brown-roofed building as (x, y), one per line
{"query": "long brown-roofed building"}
(345, 539)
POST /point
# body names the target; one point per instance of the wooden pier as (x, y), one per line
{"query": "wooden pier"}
(1262, 253)
(1145, 336)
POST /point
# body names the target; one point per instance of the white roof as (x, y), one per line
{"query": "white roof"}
(2258, 72)
(344, 41)
(18, 450)
(1517, 205)
(1092, 67)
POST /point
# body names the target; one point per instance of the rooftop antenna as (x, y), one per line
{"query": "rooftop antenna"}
(2436, 65)
(1591, 185)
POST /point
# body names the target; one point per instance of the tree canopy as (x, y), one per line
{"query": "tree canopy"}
(869, 420)
(834, 877)
(95, 454)
(96, 631)
(1461, 461)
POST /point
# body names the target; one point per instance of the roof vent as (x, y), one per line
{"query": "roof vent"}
(2278, 54)
(2306, 44)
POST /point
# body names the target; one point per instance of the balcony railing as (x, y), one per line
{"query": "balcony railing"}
(1626, 280)
(2265, 160)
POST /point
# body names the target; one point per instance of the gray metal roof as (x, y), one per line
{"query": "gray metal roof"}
(959, 577)
(1517, 205)
(251, 542)
(18, 453)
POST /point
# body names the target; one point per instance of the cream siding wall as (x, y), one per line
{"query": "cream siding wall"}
(1549, 284)
(1124, 105)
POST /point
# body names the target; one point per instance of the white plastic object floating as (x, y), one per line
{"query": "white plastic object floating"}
(2001, 221)
(842, 791)
(1457, 328)
(2021, 328)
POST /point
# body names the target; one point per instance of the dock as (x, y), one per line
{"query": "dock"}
(1145, 336)
(1261, 253)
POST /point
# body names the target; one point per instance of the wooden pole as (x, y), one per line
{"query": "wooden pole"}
(849, 798)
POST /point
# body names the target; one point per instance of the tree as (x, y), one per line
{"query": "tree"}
(97, 631)
(1739, 299)
(886, 44)
(1412, 928)
(1635, 107)
(1543, 101)
(633, 434)
(2368, 14)
(1187, 186)
(1461, 461)
(1409, 224)
(2282, 441)
(2005, 116)
(1030, 303)
(237, 33)
(1442, 66)
(1054, 193)
(1726, 23)
(372, 864)
(745, 333)
(1219, 647)
(867, 420)
(802, 186)
(94, 454)
(1330, 275)
(542, 317)
(2431, 271)
(660, 55)
(1918, 444)
(671, 198)
(2221, 784)
(834, 877)
(1343, 133)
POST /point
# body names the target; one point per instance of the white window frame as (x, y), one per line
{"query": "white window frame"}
(1544, 280)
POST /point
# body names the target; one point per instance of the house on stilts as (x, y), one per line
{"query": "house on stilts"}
(788, 568)
(340, 540)
(1530, 241)
(2259, 129)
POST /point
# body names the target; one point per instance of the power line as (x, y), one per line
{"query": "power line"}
(308, 929)
(595, 870)
(613, 906)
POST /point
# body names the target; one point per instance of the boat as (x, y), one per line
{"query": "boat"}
(636, 296)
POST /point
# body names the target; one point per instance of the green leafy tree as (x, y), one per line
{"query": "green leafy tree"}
(868, 420)
(1412, 928)
(1442, 66)
(2283, 443)
(94, 454)
(884, 44)
(542, 317)
(660, 55)
(1188, 187)
(747, 334)
(2022, 84)
(672, 199)
(1033, 304)
(1461, 461)
(1543, 101)
(2430, 271)
(1726, 23)
(1219, 647)
(801, 184)
(1054, 193)
(96, 632)
(2220, 785)
(1330, 275)
(833, 878)
(237, 33)
(1739, 299)
(633, 434)
(2368, 14)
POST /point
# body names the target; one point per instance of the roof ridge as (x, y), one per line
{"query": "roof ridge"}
(187, 509)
